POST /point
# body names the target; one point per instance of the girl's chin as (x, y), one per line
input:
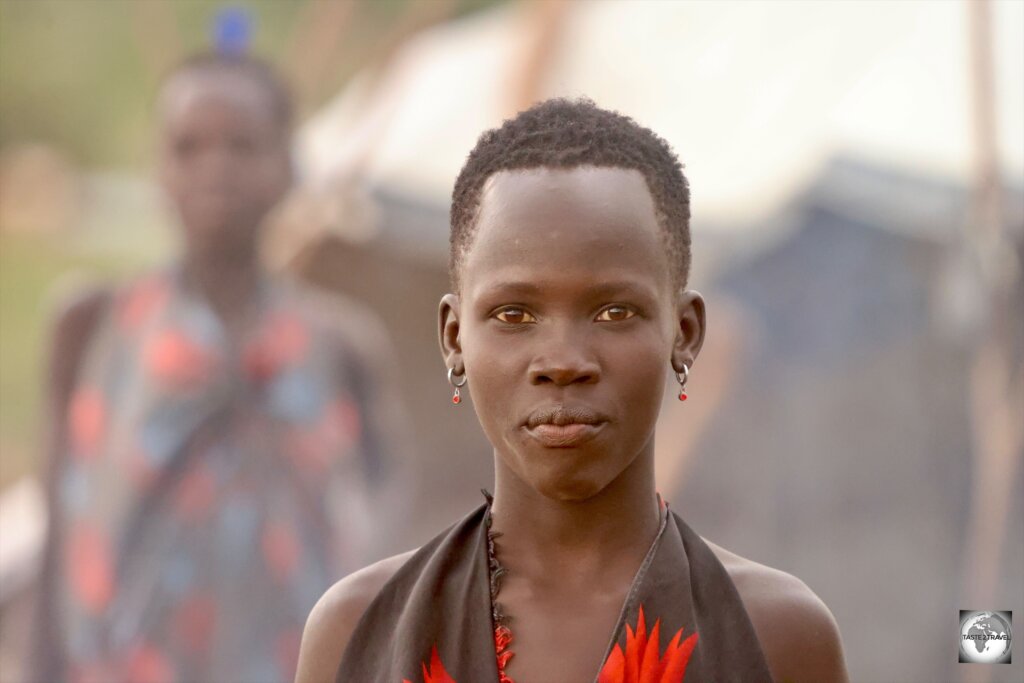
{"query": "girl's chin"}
(560, 474)
(571, 488)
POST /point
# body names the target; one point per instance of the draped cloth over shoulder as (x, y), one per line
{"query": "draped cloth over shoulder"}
(682, 618)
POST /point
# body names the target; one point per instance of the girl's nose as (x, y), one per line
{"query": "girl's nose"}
(562, 360)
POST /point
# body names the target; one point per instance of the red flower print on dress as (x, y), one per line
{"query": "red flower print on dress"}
(435, 673)
(148, 664)
(283, 340)
(196, 494)
(87, 418)
(342, 424)
(642, 663)
(195, 622)
(90, 566)
(177, 361)
(142, 301)
(281, 549)
(92, 672)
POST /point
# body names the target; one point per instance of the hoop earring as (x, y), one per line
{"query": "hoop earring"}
(456, 398)
(682, 382)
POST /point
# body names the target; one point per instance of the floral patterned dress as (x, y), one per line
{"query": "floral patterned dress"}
(211, 491)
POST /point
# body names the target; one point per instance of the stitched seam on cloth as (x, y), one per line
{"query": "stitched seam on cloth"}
(634, 588)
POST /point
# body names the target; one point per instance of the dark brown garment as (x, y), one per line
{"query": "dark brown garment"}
(432, 620)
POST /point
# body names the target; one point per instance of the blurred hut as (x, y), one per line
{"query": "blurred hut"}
(847, 435)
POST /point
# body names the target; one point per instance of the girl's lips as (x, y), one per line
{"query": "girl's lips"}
(564, 436)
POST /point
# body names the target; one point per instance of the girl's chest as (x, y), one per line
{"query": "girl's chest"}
(559, 638)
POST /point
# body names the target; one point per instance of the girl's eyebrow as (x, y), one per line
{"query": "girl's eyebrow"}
(608, 289)
(511, 287)
(603, 289)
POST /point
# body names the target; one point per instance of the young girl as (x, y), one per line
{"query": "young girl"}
(570, 250)
(214, 428)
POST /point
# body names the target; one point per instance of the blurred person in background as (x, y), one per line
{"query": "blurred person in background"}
(217, 433)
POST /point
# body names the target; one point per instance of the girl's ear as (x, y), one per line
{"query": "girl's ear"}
(448, 333)
(690, 325)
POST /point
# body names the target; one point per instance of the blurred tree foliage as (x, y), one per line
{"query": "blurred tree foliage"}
(82, 74)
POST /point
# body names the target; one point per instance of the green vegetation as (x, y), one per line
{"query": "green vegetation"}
(79, 76)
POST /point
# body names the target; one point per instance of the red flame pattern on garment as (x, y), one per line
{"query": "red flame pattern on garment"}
(502, 641)
(642, 663)
(435, 673)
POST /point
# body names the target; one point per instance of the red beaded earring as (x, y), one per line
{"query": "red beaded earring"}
(681, 378)
(456, 398)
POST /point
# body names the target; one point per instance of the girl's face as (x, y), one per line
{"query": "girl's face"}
(223, 159)
(567, 325)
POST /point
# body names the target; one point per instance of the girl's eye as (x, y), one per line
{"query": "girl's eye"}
(615, 314)
(514, 316)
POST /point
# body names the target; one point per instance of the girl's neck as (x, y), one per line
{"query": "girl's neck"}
(228, 285)
(600, 539)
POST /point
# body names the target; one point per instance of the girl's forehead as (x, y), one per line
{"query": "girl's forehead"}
(583, 225)
(188, 92)
(598, 186)
(582, 204)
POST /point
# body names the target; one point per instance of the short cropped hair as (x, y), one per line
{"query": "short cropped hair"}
(258, 71)
(564, 134)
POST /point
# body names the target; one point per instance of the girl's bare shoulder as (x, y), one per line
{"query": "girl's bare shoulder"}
(797, 631)
(334, 618)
